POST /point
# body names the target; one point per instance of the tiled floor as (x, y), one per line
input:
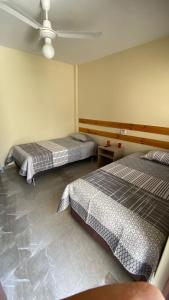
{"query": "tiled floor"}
(43, 254)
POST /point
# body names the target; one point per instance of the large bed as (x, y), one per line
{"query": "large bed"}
(125, 205)
(33, 158)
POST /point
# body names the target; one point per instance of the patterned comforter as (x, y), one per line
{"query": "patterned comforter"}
(127, 204)
(36, 157)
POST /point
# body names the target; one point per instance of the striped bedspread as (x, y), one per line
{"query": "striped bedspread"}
(40, 156)
(127, 204)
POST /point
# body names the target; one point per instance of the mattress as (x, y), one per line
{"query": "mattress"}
(44, 155)
(127, 204)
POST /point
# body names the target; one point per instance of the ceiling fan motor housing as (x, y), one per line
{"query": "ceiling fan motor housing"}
(46, 31)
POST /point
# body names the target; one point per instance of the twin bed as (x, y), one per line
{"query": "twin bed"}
(124, 205)
(34, 158)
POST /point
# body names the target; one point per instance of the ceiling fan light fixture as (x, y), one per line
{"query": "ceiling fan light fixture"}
(47, 49)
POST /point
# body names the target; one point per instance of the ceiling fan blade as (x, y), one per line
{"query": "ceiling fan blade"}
(77, 34)
(11, 9)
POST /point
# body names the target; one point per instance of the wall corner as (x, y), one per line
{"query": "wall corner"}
(76, 99)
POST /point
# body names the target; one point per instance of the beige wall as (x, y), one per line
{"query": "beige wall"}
(36, 99)
(130, 86)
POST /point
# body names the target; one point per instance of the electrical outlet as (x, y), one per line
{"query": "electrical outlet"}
(123, 131)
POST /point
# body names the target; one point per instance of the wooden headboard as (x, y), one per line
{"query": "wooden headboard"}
(127, 126)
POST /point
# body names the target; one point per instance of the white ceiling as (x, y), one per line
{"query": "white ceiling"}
(124, 23)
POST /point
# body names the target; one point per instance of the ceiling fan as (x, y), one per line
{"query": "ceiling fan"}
(45, 30)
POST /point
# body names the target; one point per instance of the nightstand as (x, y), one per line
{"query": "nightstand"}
(108, 154)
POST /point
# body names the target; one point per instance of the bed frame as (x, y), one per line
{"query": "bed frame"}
(162, 273)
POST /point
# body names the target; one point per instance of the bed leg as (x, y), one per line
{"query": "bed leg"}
(33, 180)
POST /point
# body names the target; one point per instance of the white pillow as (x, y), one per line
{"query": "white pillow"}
(80, 137)
(159, 156)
